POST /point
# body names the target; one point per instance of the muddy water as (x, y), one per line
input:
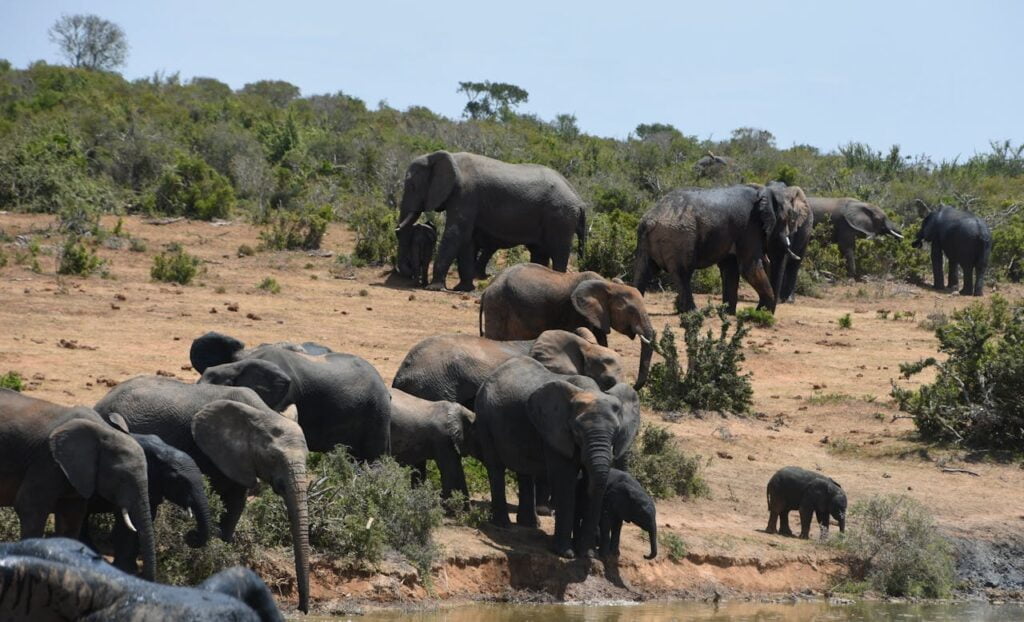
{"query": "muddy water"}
(695, 612)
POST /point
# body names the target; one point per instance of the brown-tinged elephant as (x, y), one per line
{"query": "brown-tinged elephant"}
(509, 204)
(535, 422)
(53, 459)
(235, 438)
(452, 367)
(785, 262)
(963, 238)
(731, 227)
(851, 219)
(813, 494)
(525, 300)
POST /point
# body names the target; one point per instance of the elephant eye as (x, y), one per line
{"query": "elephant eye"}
(276, 432)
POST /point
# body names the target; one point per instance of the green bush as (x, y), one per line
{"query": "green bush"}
(758, 317)
(707, 281)
(296, 230)
(270, 284)
(1007, 259)
(246, 251)
(610, 244)
(3, 258)
(712, 378)
(175, 266)
(894, 547)
(374, 227)
(662, 468)
(974, 400)
(12, 380)
(77, 259)
(194, 189)
(673, 545)
(845, 321)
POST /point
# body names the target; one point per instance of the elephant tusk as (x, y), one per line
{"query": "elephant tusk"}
(188, 511)
(895, 234)
(128, 520)
(793, 255)
(644, 339)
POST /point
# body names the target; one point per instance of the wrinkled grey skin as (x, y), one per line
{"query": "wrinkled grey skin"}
(525, 300)
(452, 367)
(851, 219)
(813, 494)
(784, 267)
(625, 500)
(731, 227)
(964, 239)
(415, 250)
(53, 459)
(171, 475)
(234, 438)
(61, 579)
(424, 430)
(510, 204)
(340, 398)
(535, 422)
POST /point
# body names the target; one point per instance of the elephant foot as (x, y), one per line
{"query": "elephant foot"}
(544, 510)
(770, 530)
(964, 292)
(786, 532)
(436, 286)
(565, 552)
(501, 521)
(527, 521)
(464, 287)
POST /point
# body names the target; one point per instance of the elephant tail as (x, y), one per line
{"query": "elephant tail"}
(768, 494)
(480, 313)
(581, 236)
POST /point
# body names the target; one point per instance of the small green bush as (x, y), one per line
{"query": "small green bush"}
(175, 266)
(77, 259)
(137, 245)
(3, 258)
(270, 284)
(673, 545)
(707, 281)
(296, 230)
(845, 321)
(374, 226)
(246, 251)
(12, 380)
(758, 317)
(194, 189)
(10, 525)
(894, 547)
(610, 244)
(662, 468)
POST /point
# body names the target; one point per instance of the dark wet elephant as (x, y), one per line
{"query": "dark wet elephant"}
(509, 204)
(813, 494)
(625, 500)
(851, 219)
(964, 239)
(785, 262)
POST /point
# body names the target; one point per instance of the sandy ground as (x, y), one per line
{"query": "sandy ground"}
(821, 400)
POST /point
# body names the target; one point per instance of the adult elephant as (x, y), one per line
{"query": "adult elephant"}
(963, 238)
(53, 459)
(851, 219)
(813, 494)
(785, 261)
(60, 579)
(172, 475)
(509, 204)
(733, 227)
(340, 398)
(234, 438)
(452, 367)
(535, 423)
(525, 300)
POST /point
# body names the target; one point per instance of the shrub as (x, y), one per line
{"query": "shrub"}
(12, 380)
(246, 251)
(175, 266)
(193, 189)
(975, 398)
(137, 245)
(610, 244)
(895, 548)
(759, 317)
(3, 258)
(707, 281)
(712, 380)
(662, 468)
(296, 230)
(374, 227)
(845, 321)
(673, 545)
(77, 259)
(270, 284)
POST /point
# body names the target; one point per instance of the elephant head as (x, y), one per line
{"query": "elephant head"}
(181, 483)
(829, 500)
(213, 348)
(570, 353)
(607, 305)
(459, 422)
(105, 460)
(641, 512)
(929, 226)
(267, 379)
(778, 214)
(869, 220)
(429, 181)
(247, 444)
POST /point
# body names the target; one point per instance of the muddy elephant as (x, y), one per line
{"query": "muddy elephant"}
(813, 494)
(785, 262)
(53, 459)
(415, 250)
(536, 422)
(851, 219)
(732, 227)
(61, 579)
(234, 438)
(525, 300)
(963, 238)
(510, 204)
(441, 431)
(452, 367)
(340, 398)
(625, 500)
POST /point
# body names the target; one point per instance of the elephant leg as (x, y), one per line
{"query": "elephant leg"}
(753, 273)
(968, 288)
(560, 257)
(777, 271)
(483, 258)
(730, 270)
(937, 266)
(233, 495)
(126, 547)
(806, 515)
(526, 513)
(457, 235)
(616, 532)
(789, 280)
(683, 278)
(542, 493)
(822, 518)
(541, 257)
(784, 523)
(773, 517)
(643, 271)
(979, 277)
(954, 274)
(499, 506)
(467, 268)
(562, 473)
(69, 518)
(419, 474)
(847, 247)
(35, 500)
(453, 476)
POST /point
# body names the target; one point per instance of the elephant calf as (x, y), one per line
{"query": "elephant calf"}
(625, 500)
(415, 250)
(793, 488)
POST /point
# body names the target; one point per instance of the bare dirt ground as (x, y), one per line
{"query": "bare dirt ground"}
(821, 400)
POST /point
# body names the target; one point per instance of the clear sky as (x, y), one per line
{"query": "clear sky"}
(936, 77)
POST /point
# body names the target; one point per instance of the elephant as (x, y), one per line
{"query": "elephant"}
(234, 438)
(415, 250)
(340, 398)
(525, 300)
(536, 422)
(53, 459)
(785, 262)
(441, 431)
(510, 204)
(452, 367)
(965, 240)
(172, 475)
(61, 579)
(851, 219)
(713, 165)
(625, 500)
(793, 488)
(733, 227)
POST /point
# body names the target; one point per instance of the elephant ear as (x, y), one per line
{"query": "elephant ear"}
(586, 333)
(75, 446)
(766, 209)
(858, 216)
(213, 349)
(551, 412)
(629, 423)
(117, 421)
(226, 432)
(267, 379)
(456, 418)
(590, 299)
(801, 208)
(559, 351)
(444, 175)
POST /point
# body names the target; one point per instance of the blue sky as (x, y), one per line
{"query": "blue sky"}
(940, 77)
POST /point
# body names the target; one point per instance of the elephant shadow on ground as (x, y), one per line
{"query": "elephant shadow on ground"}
(394, 280)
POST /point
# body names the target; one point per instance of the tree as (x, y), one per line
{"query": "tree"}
(90, 41)
(278, 92)
(488, 100)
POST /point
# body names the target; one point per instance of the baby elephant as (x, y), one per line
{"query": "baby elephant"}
(624, 500)
(415, 249)
(793, 488)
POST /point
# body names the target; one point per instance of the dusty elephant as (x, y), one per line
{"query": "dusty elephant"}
(963, 238)
(813, 494)
(785, 262)
(851, 219)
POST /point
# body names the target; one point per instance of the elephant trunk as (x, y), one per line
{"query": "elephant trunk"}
(652, 532)
(408, 219)
(647, 337)
(598, 460)
(842, 523)
(142, 521)
(298, 517)
(200, 508)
